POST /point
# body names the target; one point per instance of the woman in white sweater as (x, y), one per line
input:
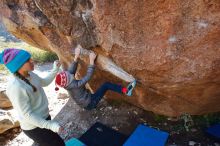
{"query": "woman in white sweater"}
(29, 99)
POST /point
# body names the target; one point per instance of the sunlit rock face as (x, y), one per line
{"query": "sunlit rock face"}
(171, 47)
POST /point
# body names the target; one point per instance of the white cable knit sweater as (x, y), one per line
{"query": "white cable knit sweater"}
(32, 107)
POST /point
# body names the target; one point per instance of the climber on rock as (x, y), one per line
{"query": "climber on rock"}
(76, 88)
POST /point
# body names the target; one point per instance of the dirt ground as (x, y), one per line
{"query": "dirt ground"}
(118, 115)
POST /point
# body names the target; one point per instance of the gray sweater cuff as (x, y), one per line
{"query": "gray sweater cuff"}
(92, 66)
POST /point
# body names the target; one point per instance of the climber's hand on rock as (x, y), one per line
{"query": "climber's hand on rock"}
(78, 50)
(92, 57)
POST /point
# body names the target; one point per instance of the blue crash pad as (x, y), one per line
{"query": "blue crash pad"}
(146, 136)
(214, 130)
(74, 142)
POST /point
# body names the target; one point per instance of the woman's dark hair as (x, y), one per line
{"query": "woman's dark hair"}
(26, 80)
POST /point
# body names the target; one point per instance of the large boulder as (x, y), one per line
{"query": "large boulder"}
(171, 47)
(7, 121)
(4, 100)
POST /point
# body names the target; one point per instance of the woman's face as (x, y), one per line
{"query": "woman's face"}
(27, 66)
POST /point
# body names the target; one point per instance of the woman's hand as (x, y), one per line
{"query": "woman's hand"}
(92, 57)
(77, 52)
(56, 64)
(61, 130)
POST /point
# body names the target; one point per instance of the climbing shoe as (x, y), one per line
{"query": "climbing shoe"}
(130, 88)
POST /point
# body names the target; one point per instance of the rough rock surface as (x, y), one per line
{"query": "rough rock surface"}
(8, 120)
(4, 101)
(171, 47)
